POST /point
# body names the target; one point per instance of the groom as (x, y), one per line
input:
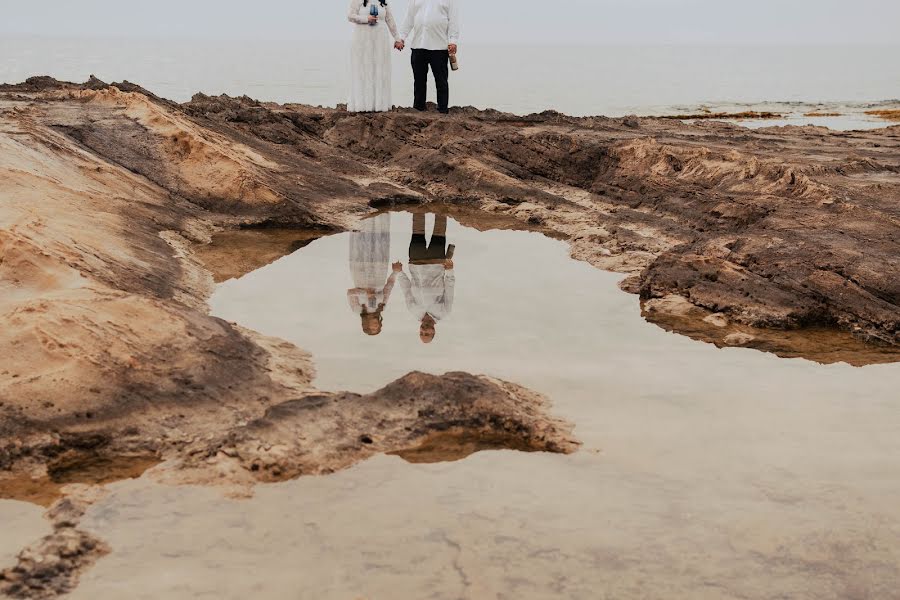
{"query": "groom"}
(434, 26)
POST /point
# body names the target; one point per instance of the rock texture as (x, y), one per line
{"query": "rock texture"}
(107, 190)
(52, 566)
(112, 362)
(781, 227)
(110, 354)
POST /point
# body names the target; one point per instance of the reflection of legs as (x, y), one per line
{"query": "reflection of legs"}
(419, 224)
(440, 225)
(418, 246)
(437, 249)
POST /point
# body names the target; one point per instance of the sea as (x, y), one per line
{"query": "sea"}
(794, 81)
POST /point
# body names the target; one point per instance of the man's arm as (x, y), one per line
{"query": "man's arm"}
(454, 25)
(449, 285)
(410, 22)
(406, 286)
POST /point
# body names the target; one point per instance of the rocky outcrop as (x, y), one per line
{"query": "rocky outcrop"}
(781, 228)
(52, 566)
(111, 356)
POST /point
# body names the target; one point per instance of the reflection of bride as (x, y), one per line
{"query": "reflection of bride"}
(370, 262)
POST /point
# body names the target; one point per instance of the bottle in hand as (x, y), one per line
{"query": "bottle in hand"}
(374, 12)
(454, 63)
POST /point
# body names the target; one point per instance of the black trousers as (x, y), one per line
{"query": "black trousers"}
(439, 61)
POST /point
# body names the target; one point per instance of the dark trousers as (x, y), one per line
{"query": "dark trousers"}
(439, 61)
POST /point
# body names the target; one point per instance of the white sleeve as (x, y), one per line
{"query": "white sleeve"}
(410, 21)
(454, 22)
(391, 23)
(353, 300)
(353, 14)
(449, 287)
(406, 286)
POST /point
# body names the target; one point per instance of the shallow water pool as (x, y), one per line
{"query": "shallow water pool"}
(705, 473)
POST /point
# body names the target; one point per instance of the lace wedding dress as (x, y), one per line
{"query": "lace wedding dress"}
(370, 57)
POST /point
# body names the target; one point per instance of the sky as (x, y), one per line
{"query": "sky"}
(531, 22)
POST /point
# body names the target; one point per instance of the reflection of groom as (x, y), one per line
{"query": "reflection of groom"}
(429, 294)
(432, 28)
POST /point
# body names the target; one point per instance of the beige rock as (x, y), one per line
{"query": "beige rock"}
(738, 339)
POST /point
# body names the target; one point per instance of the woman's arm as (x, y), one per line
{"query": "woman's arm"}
(389, 286)
(391, 23)
(353, 300)
(353, 14)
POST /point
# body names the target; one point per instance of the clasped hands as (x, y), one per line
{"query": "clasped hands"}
(397, 267)
(402, 44)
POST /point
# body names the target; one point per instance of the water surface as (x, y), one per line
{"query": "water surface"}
(705, 473)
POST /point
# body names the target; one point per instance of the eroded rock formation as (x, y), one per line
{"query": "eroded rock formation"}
(110, 354)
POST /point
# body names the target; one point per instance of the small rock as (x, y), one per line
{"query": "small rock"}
(631, 121)
(672, 304)
(717, 320)
(739, 339)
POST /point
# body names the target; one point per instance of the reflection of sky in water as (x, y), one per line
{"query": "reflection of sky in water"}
(521, 306)
(705, 473)
(523, 311)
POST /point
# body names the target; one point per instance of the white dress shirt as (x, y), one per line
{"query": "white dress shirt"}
(429, 290)
(431, 24)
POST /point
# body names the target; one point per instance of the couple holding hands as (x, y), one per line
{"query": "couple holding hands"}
(429, 287)
(431, 29)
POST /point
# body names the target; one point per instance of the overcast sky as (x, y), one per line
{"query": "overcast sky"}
(484, 21)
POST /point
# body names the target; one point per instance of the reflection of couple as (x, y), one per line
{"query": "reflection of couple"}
(428, 288)
(432, 30)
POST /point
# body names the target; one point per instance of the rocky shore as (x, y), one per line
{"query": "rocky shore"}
(108, 195)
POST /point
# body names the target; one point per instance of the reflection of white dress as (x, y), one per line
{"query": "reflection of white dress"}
(370, 260)
(370, 57)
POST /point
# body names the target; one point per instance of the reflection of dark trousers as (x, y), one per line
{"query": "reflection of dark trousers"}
(439, 61)
(420, 251)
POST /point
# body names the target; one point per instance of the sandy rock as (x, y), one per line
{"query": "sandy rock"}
(738, 339)
(671, 305)
(111, 355)
(717, 320)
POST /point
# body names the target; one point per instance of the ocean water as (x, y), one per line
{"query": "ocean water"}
(576, 80)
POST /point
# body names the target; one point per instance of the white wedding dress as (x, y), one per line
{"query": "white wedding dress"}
(370, 57)
(370, 263)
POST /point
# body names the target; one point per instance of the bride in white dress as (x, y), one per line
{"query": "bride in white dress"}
(370, 56)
